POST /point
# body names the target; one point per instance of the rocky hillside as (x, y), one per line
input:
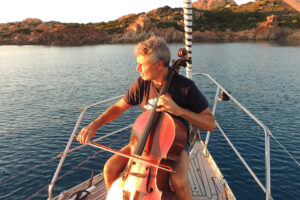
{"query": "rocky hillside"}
(261, 20)
(212, 4)
(34, 31)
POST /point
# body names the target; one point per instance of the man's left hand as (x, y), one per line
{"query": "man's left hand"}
(166, 104)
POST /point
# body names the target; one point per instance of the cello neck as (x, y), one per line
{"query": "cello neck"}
(154, 115)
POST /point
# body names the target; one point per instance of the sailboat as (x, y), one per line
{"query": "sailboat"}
(205, 178)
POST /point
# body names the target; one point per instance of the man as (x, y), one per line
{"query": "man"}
(183, 101)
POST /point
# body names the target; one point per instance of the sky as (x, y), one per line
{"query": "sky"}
(80, 11)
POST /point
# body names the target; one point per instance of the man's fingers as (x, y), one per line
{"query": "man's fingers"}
(79, 135)
(86, 137)
(86, 134)
(82, 135)
(86, 140)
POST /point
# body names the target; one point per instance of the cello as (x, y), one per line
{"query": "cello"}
(156, 138)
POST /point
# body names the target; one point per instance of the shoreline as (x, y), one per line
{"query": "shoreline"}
(61, 38)
(280, 41)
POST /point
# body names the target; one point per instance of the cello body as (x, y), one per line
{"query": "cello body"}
(141, 181)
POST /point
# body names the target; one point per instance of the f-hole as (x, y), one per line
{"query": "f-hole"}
(149, 190)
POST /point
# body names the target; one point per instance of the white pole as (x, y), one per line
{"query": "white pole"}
(188, 24)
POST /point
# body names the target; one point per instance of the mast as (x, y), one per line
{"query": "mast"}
(188, 25)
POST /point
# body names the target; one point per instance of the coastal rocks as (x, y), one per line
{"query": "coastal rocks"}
(205, 36)
(227, 35)
(140, 30)
(143, 24)
(294, 36)
(60, 35)
(269, 30)
(143, 28)
(32, 20)
(169, 34)
(36, 32)
(172, 35)
(67, 35)
(211, 4)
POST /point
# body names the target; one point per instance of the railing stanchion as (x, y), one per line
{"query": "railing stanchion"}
(268, 165)
(213, 112)
(50, 189)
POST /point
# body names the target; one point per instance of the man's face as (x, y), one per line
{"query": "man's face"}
(147, 70)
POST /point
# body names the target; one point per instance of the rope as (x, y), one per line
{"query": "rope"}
(79, 165)
(286, 150)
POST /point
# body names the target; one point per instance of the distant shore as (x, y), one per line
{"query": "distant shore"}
(261, 20)
(172, 36)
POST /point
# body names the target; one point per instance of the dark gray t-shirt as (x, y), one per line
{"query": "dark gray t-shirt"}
(182, 90)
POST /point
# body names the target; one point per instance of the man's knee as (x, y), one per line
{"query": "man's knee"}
(179, 183)
(112, 166)
(108, 168)
(116, 163)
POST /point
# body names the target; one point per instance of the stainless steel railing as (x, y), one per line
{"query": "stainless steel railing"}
(267, 187)
(67, 149)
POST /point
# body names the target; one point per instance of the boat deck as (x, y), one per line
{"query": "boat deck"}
(206, 181)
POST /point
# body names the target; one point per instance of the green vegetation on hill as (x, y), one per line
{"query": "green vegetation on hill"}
(226, 19)
(27, 27)
(264, 6)
(156, 16)
(235, 18)
(167, 17)
(117, 26)
(246, 16)
(287, 16)
(289, 21)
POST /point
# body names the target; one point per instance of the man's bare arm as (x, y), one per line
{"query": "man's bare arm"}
(109, 115)
(204, 120)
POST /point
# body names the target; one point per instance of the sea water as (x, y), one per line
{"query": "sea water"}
(42, 89)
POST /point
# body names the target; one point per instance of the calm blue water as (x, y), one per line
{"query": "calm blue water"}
(40, 87)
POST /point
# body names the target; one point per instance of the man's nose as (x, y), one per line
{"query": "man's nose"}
(139, 68)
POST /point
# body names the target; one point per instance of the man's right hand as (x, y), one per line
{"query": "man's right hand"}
(86, 134)
(109, 115)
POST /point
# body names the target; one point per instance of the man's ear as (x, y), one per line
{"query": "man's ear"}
(161, 63)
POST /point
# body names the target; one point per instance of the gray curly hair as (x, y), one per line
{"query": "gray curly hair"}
(155, 48)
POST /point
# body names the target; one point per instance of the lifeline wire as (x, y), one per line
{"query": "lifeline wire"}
(80, 164)
(286, 150)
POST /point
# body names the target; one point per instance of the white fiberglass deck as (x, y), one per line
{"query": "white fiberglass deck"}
(206, 181)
